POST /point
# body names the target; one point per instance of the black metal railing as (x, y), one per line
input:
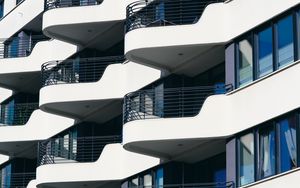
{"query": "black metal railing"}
(77, 70)
(19, 46)
(168, 102)
(16, 114)
(51, 4)
(189, 185)
(155, 13)
(17, 180)
(68, 150)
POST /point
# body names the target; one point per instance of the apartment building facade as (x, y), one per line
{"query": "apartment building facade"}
(150, 93)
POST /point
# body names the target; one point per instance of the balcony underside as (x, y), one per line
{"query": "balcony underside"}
(87, 25)
(220, 117)
(28, 82)
(90, 110)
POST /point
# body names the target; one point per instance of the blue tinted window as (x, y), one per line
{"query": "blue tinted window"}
(288, 144)
(159, 179)
(245, 65)
(265, 52)
(1, 8)
(285, 41)
(267, 157)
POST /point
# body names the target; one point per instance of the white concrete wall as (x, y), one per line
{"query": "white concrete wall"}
(21, 16)
(117, 80)
(289, 179)
(225, 115)
(8, 6)
(40, 126)
(42, 52)
(4, 94)
(108, 10)
(114, 163)
(219, 24)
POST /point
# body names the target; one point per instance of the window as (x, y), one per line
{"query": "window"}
(147, 181)
(246, 153)
(285, 40)
(265, 52)
(1, 8)
(159, 180)
(267, 147)
(288, 143)
(245, 65)
(134, 182)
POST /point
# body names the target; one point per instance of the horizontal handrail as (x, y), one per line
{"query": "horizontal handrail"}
(189, 185)
(16, 114)
(77, 70)
(68, 150)
(17, 180)
(19, 46)
(155, 13)
(168, 102)
(52, 4)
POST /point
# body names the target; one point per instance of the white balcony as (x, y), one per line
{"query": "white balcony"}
(180, 48)
(97, 101)
(17, 18)
(84, 25)
(220, 117)
(24, 73)
(21, 140)
(113, 165)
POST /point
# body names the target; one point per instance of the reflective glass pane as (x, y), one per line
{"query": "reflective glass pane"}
(245, 64)
(285, 41)
(288, 144)
(267, 157)
(265, 52)
(134, 182)
(246, 156)
(159, 180)
(147, 181)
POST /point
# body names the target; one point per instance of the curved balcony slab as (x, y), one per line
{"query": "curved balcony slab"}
(220, 117)
(104, 20)
(20, 16)
(23, 73)
(4, 94)
(173, 47)
(17, 140)
(97, 101)
(32, 184)
(113, 165)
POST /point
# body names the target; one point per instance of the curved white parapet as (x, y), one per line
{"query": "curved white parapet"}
(40, 126)
(114, 164)
(4, 94)
(20, 16)
(32, 184)
(21, 73)
(68, 24)
(80, 99)
(219, 23)
(221, 115)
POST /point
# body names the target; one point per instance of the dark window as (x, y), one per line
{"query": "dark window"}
(265, 52)
(285, 39)
(288, 143)
(1, 8)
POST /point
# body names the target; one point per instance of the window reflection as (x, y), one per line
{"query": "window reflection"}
(245, 61)
(288, 143)
(285, 41)
(265, 52)
(246, 159)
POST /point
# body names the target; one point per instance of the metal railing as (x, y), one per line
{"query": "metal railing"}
(52, 4)
(76, 70)
(70, 150)
(155, 13)
(19, 46)
(191, 185)
(17, 180)
(168, 102)
(16, 114)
